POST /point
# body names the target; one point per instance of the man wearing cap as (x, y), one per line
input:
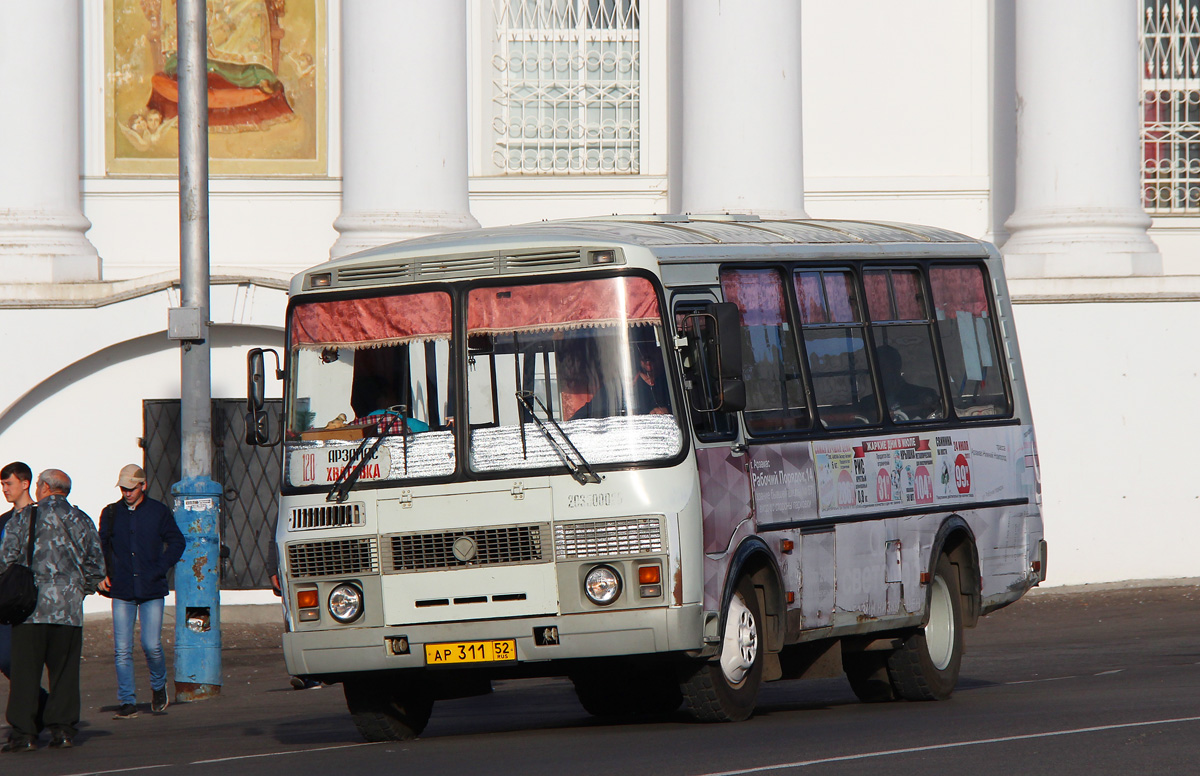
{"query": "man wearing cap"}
(141, 543)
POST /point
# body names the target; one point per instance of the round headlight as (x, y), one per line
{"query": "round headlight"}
(346, 603)
(602, 585)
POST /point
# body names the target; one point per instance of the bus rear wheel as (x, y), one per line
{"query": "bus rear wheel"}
(386, 710)
(925, 667)
(725, 688)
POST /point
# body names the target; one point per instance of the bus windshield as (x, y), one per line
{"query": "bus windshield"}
(559, 375)
(367, 368)
(557, 371)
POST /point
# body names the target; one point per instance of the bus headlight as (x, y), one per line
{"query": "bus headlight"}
(346, 603)
(602, 585)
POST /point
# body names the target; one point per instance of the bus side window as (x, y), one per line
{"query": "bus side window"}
(700, 375)
(775, 400)
(835, 343)
(973, 367)
(900, 327)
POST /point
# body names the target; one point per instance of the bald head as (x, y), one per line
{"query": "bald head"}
(55, 481)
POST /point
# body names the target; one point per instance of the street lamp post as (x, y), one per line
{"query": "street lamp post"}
(197, 498)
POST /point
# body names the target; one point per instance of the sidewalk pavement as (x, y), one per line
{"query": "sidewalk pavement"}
(251, 658)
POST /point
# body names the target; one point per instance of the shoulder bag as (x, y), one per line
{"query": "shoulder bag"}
(18, 588)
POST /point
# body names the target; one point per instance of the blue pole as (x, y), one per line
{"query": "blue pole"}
(197, 597)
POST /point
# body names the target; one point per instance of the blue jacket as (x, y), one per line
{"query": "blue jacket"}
(140, 547)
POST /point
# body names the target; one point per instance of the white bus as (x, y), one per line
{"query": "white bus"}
(668, 457)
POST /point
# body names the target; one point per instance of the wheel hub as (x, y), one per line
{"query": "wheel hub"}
(739, 646)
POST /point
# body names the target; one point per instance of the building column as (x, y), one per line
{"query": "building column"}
(1078, 209)
(404, 122)
(41, 218)
(741, 135)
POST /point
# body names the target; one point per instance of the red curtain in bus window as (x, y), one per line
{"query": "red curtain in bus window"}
(560, 306)
(758, 295)
(372, 322)
(907, 287)
(958, 288)
(808, 295)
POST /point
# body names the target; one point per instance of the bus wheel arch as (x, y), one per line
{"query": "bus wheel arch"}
(725, 687)
(956, 541)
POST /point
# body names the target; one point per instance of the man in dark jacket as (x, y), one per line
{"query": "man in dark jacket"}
(141, 543)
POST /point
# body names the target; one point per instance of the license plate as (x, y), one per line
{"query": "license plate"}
(470, 652)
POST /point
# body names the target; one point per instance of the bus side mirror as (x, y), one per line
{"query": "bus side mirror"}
(258, 422)
(729, 354)
(256, 380)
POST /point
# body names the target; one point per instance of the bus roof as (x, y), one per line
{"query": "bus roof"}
(562, 245)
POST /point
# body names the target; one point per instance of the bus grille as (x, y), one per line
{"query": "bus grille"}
(333, 558)
(467, 548)
(628, 536)
(326, 516)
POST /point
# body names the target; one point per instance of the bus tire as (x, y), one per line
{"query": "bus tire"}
(925, 667)
(724, 689)
(387, 711)
(868, 676)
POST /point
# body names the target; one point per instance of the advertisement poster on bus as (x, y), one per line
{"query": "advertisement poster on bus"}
(835, 482)
(783, 483)
(909, 471)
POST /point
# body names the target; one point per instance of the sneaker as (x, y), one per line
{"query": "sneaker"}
(61, 741)
(127, 711)
(160, 702)
(19, 745)
(299, 683)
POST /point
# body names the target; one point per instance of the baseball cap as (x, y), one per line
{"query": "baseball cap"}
(131, 476)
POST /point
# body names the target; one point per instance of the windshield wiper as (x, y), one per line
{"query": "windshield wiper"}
(349, 476)
(582, 471)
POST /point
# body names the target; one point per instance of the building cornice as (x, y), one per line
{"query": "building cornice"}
(1157, 288)
(85, 295)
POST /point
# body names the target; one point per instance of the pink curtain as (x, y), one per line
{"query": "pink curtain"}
(839, 297)
(958, 288)
(373, 322)
(907, 285)
(758, 294)
(558, 306)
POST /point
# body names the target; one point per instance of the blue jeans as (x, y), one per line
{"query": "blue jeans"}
(125, 613)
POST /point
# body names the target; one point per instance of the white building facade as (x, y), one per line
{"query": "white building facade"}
(1067, 131)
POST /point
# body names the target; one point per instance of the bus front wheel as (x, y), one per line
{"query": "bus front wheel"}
(925, 667)
(724, 689)
(387, 710)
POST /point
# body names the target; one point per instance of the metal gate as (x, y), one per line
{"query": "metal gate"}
(248, 476)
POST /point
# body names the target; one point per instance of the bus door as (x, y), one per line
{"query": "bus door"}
(721, 454)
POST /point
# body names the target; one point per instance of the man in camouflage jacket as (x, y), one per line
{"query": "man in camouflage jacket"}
(67, 564)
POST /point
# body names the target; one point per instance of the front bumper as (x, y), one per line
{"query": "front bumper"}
(591, 635)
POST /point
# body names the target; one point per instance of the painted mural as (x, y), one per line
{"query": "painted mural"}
(266, 86)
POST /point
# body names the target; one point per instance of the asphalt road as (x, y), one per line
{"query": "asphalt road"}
(1099, 682)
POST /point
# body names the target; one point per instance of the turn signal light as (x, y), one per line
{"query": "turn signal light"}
(307, 599)
(648, 575)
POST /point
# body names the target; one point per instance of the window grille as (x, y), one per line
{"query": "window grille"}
(1170, 39)
(566, 87)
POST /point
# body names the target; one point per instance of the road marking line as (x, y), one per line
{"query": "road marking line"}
(122, 770)
(1035, 681)
(1114, 671)
(954, 745)
(279, 754)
